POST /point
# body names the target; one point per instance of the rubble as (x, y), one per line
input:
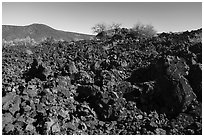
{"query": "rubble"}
(117, 84)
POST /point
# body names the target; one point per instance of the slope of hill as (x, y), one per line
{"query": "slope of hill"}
(38, 32)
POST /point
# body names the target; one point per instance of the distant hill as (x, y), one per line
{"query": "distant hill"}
(39, 32)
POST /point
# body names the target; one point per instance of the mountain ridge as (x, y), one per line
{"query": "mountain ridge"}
(38, 32)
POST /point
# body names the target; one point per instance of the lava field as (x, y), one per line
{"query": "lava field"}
(118, 85)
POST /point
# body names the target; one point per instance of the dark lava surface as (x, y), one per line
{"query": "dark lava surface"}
(117, 85)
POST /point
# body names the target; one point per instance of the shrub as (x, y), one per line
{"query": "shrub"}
(99, 28)
(141, 30)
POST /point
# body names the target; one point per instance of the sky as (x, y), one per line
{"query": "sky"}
(80, 17)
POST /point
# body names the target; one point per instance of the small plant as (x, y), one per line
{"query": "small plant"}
(141, 30)
(99, 28)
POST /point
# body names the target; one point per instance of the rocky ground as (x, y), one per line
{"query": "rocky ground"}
(115, 85)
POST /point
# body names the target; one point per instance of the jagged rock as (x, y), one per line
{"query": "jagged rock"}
(72, 68)
(174, 89)
(105, 64)
(117, 37)
(29, 52)
(195, 79)
(87, 91)
(7, 118)
(197, 48)
(7, 101)
(119, 75)
(16, 105)
(143, 74)
(125, 89)
(82, 77)
(109, 80)
(176, 66)
(64, 81)
(171, 89)
(101, 35)
(183, 120)
(30, 127)
(37, 70)
(160, 131)
(146, 92)
(96, 66)
(32, 91)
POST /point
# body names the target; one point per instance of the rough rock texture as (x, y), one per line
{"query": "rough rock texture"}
(195, 79)
(170, 88)
(37, 70)
(118, 85)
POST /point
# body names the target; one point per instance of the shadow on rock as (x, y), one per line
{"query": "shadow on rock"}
(36, 71)
(164, 86)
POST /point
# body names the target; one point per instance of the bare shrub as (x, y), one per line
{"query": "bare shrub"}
(142, 30)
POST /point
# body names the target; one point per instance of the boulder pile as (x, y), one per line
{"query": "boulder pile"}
(115, 85)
